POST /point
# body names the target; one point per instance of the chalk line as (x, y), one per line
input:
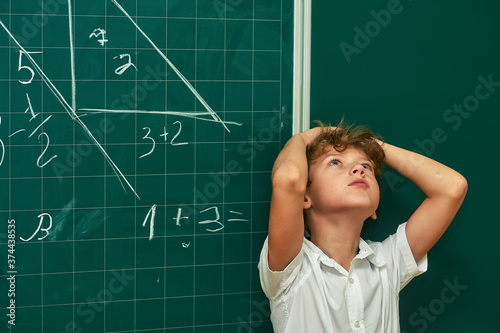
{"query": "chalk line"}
(214, 115)
(195, 115)
(41, 124)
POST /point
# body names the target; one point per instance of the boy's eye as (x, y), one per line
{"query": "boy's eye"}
(367, 166)
(334, 162)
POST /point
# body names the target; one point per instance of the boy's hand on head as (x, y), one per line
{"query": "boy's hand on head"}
(309, 135)
(312, 134)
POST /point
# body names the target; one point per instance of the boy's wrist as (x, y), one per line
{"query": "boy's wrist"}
(310, 135)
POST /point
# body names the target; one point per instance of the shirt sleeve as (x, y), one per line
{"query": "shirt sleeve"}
(276, 283)
(400, 259)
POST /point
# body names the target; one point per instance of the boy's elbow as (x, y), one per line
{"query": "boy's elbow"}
(463, 186)
(289, 178)
(459, 190)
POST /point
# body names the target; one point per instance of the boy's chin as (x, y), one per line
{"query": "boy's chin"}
(366, 207)
(364, 212)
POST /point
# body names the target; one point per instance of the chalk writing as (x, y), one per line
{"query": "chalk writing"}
(123, 68)
(176, 135)
(42, 134)
(151, 216)
(216, 221)
(44, 151)
(30, 109)
(21, 67)
(237, 219)
(164, 135)
(40, 228)
(101, 36)
(217, 224)
(146, 137)
(99, 33)
(179, 217)
(71, 110)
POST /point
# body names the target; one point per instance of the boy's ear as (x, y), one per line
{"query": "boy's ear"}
(374, 215)
(307, 202)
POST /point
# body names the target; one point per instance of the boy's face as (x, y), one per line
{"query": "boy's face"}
(340, 181)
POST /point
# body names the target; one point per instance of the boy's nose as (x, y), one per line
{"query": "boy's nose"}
(358, 170)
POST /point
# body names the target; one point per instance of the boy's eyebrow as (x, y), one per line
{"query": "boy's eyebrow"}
(330, 154)
(333, 153)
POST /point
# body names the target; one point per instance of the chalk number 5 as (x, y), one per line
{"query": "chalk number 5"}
(21, 67)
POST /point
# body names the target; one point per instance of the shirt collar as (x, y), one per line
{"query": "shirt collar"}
(367, 250)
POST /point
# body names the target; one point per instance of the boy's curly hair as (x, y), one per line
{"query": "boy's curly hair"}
(341, 138)
(344, 136)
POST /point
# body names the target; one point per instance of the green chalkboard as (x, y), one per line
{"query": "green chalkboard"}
(136, 144)
(426, 76)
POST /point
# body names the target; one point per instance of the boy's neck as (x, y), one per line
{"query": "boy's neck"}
(338, 237)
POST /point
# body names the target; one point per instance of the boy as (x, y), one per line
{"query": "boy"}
(324, 180)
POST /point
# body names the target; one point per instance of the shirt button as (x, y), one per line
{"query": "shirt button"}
(351, 280)
(356, 324)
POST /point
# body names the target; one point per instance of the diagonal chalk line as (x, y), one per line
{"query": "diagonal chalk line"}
(41, 124)
(71, 112)
(179, 74)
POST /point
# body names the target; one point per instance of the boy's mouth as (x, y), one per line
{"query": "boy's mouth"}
(359, 182)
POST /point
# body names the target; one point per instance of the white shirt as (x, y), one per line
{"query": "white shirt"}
(315, 294)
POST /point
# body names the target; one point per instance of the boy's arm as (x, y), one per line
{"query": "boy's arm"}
(286, 221)
(445, 190)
